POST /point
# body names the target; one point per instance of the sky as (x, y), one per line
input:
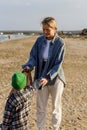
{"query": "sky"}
(28, 14)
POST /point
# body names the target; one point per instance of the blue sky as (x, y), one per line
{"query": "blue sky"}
(28, 14)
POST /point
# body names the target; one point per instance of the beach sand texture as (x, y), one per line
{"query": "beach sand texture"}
(74, 101)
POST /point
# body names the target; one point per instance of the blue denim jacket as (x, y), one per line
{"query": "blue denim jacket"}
(53, 67)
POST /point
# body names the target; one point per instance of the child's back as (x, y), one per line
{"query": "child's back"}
(17, 109)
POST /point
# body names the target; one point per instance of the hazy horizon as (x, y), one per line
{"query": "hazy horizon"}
(37, 30)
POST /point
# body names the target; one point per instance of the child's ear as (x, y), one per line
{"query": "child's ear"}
(13, 91)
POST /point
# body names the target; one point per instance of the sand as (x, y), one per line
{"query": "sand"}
(74, 101)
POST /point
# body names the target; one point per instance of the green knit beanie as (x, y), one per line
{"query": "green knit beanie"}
(18, 80)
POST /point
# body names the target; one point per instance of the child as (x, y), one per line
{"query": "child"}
(17, 106)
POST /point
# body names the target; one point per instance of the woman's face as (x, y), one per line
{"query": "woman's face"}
(48, 32)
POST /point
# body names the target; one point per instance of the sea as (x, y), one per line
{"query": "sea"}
(7, 37)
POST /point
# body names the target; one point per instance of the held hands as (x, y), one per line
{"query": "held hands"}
(39, 83)
(26, 69)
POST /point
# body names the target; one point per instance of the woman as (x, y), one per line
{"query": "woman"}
(47, 56)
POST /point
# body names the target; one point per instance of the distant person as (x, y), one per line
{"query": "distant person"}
(46, 57)
(16, 111)
(9, 36)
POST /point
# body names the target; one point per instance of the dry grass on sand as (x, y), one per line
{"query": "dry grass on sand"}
(74, 101)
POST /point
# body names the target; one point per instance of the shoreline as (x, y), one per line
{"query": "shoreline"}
(10, 37)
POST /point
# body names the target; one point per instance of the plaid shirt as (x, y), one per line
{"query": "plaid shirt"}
(17, 111)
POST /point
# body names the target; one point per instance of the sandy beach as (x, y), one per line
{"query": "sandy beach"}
(74, 101)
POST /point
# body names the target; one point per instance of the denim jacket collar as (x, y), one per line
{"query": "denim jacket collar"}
(56, 36)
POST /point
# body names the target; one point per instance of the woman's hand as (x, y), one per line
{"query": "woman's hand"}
(43, 82)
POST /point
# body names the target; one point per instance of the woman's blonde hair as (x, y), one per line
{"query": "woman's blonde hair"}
(50, 21)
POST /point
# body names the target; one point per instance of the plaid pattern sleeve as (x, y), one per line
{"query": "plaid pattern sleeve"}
(7, 118)
(16, 111)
